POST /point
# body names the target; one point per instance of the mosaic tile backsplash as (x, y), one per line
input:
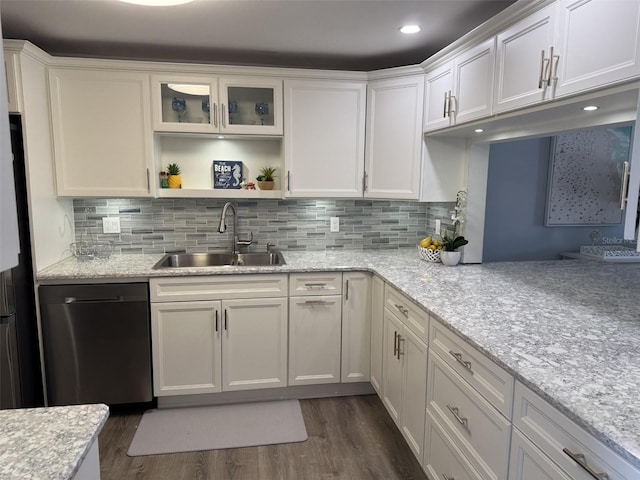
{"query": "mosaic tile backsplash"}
(191, 225)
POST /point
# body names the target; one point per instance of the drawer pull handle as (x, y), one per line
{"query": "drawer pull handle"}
(456, 413)
(400, 339)
(458, 356)
(216, 320)
(316, 302)
(580, 460)
(447, 477)
(315, 285)
(403, 310)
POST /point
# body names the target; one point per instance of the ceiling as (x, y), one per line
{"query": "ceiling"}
(330, 34)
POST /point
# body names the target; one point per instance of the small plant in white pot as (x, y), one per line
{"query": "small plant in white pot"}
(265, 179)
(449, 254)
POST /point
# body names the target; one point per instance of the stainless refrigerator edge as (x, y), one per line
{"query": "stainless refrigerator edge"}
(20, 371)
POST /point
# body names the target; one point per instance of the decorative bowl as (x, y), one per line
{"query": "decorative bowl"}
(429, 255)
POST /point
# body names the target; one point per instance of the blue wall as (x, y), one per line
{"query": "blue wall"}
(516, 196)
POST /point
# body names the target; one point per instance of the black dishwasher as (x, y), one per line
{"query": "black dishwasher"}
(96, 342)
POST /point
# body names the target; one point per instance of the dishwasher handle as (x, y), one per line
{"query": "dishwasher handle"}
(93, 300)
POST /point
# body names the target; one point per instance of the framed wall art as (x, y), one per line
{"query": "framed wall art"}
(586, 171)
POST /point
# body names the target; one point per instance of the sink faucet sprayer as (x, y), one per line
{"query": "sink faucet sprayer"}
(222, 227)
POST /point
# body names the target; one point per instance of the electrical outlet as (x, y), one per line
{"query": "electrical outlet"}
(110, 224)
(438, 226)
(334, 224)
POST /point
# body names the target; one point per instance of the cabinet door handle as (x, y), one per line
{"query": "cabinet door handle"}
(346, 288)
(222, 114)
(456, 413)
(216, 321)
(444, 112)
(215, 115)
(400, 352)
(543, 61)
(580, 460)
(365, 185)
(452, 100)
(395, 343)
(148, 182)
(225, 320)
(288, 180)
(625, 185)
(458, 356)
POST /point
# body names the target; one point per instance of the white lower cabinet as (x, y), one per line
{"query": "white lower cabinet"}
(527, 462)
(254, 346)
(314, 339)
(356, 327)
(404, 379)
(476, 427)
(186, 344)
(561, 443)
(442, 459)
(213, 345)
(377, 329)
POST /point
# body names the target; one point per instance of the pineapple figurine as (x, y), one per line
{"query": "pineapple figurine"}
(175, 181)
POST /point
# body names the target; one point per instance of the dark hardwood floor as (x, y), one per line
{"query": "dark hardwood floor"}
(349, 438)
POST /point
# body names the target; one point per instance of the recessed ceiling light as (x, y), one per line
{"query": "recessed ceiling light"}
(221, 137)
(590, 108)
(189, 89)
(158, 3)
(410, 29)
(479, 130)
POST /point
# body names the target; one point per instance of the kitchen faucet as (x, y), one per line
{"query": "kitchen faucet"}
(222, 227)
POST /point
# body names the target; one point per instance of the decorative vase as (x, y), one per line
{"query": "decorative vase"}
(175, 181)
(450, 258)
(265, 185)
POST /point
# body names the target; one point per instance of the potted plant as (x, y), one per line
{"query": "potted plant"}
(449, 254)
(174, 180)
(265, 179)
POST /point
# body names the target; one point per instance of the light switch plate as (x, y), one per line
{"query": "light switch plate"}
(111, 224)
(334, 225)
(437, 226)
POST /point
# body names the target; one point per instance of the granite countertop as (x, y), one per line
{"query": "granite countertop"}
(47, 443)
(568, 329)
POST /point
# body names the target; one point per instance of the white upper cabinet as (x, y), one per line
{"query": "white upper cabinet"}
(101, 132)
(438, 88)
(588, 58)
(204, 104)
(324, 138)
(394, 138)
(558, 51)
(462, 89)
(523, 62)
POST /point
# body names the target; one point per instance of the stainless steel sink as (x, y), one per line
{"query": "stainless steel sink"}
(191, 260)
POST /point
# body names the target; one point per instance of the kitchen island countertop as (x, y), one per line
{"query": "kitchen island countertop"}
(48, 443)
(568, 329)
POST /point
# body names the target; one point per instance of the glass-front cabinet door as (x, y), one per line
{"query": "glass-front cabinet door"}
(251, 105)
(185, 104)
(233, 105)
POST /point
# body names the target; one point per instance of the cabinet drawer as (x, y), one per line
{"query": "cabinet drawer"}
(217, 287)
(527, 462)
(321, 283)
(407, 311)
(491, 381)
(442, 458)
(477, 428)
(554, 433)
